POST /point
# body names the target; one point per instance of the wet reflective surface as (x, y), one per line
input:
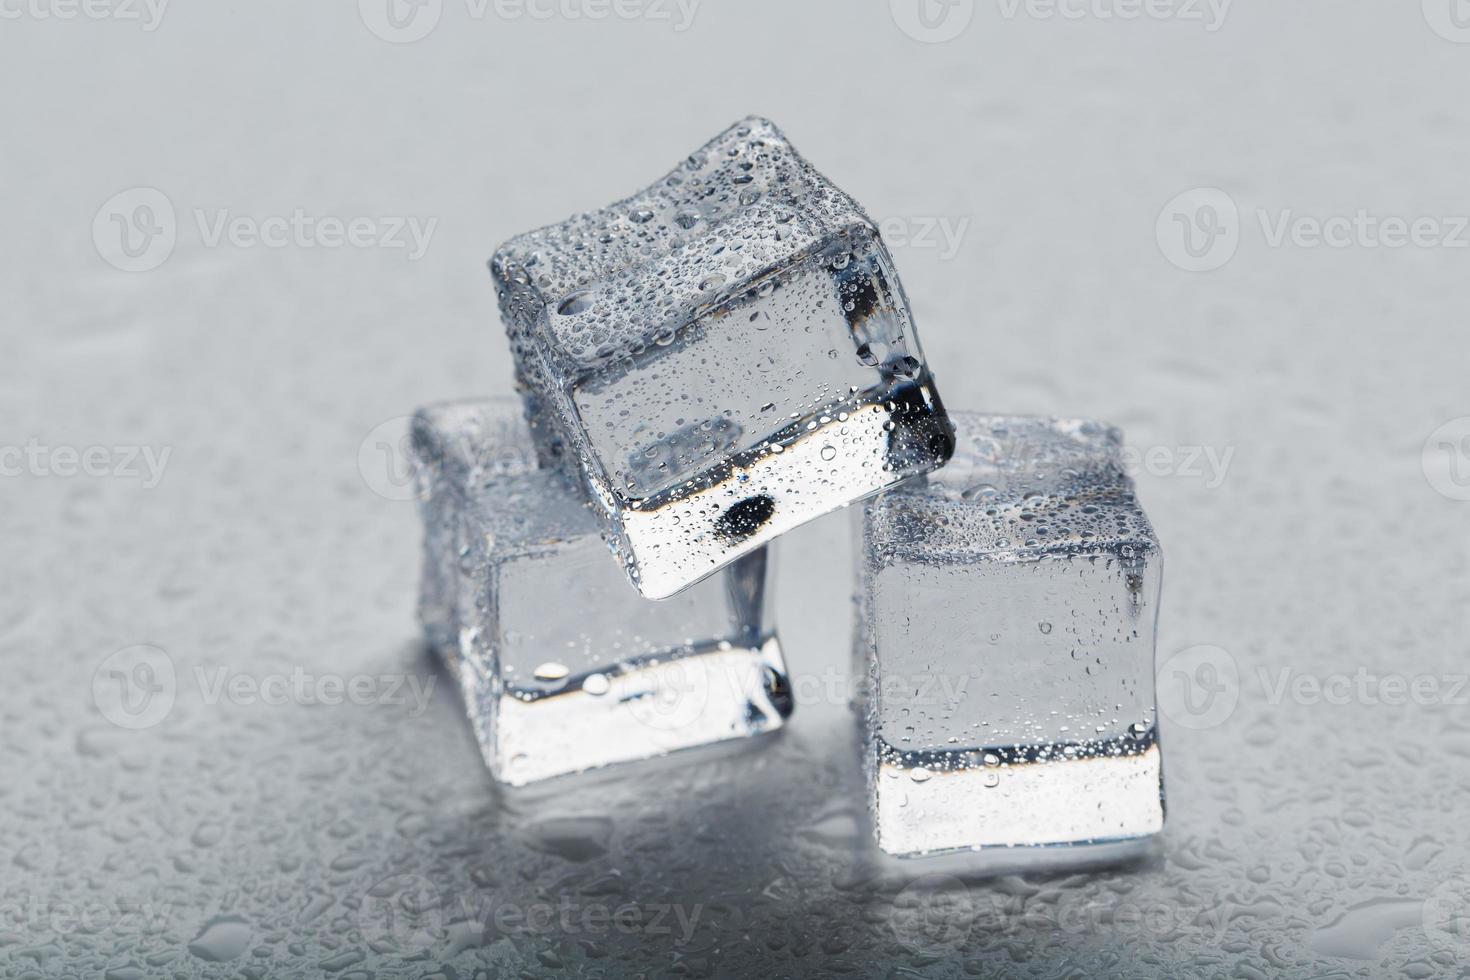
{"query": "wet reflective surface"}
(220, 750)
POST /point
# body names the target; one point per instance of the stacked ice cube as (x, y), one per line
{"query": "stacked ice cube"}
(703, 366)
(720, 357)
(561, 665)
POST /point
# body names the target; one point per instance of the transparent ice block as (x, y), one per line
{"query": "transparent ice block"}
(1006, 630)
(562, 666)
(721, 357)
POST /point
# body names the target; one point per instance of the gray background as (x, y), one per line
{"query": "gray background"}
(1305, 838)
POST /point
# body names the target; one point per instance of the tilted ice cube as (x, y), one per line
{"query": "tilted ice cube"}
(1007, 609)
(721, 357)
(562, 666)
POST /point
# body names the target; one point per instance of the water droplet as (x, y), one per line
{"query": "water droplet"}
(552, 671)
(222, 938)
(578, 302)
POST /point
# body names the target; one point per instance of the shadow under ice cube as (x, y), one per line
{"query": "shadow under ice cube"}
(1006, 628)
(721, 357)
(561, 666)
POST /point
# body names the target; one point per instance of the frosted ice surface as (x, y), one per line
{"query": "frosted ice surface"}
(561, 666)
(721, 357)
(1008, 605)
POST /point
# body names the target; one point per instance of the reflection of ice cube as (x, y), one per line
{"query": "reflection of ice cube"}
(735, 332)
(1007, 607)
(562, 667)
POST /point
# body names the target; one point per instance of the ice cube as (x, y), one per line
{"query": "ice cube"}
(562, 666)
(721, 357)
(1006, 616)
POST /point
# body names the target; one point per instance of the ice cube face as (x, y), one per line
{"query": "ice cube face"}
(1006, 619)
(721, 357)
(562, 667)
